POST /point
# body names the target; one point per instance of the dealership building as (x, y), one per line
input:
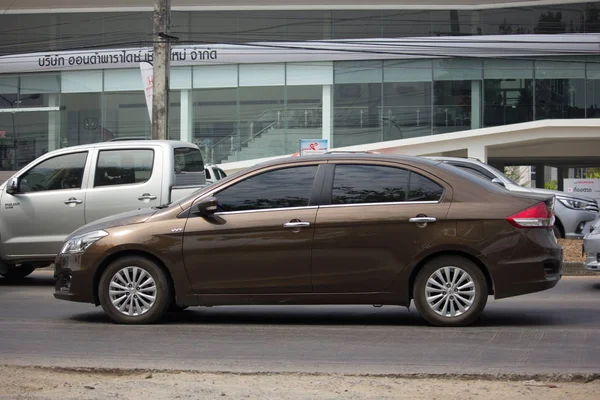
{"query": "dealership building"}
(508, 82)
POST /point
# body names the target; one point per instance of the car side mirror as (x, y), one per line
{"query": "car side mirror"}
(498, 181)
(207, 206)
(13, 186)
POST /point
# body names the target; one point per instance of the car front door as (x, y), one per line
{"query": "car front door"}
(368, 233)
(49, 206)
(260, 239)
(124, 179)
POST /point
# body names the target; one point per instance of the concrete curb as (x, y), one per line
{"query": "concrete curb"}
(499, 376)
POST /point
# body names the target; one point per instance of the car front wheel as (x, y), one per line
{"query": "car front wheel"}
(450, 291)
(134, 290)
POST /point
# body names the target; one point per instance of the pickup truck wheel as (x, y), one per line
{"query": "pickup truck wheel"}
(134, 290)
(19, 271)
(450, 291)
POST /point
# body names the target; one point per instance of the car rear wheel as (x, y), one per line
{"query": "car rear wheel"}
(450, 291)
(19, 271)
(134, 290)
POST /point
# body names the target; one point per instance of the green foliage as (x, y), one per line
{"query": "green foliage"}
(592, 173)
(552, 185)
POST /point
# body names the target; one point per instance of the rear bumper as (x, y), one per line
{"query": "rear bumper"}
(535, 264)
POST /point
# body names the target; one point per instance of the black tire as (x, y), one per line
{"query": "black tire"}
(557, 232)
(163, 293)
(19, 271)
(479, 299)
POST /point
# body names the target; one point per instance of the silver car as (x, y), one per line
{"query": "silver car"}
(591, 247)
(574, 214)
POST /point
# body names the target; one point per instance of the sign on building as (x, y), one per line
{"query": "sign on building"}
(313, 146)
(584, 187)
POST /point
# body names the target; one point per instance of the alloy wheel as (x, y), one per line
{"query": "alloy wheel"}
(132, 291)
(450, 291)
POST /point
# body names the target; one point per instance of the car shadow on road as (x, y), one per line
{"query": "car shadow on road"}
(32, 281)
(358, 316)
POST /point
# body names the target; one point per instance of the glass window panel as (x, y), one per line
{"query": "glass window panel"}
(215, 76)
(397, 23)
(125, 114)
(407, 71)
(363, 184)
(452, 23)
(309, 73)
(304, 110)
(9, 84)
(507, 21)
(181, 78)
(559, 98)
(37, 84)
(559, 70)
(407, 109)
(81, 81)
(122, 80)
(452, 106)
(175, 115)
(262, 75)
(457, 69)
(215, 127)
(507, 69)
(81, 119)
(284, 188)
(123, 167)
(358, 72)
(507, 101)
(551, 19)
(593, 68)
(592, 18)
(262, 111)
(593, 98)
(357, 24)
(357, 114)
(57, 173)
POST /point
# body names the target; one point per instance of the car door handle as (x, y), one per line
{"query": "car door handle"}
(73, 201)
(422, 220)
(147, 196)
(296, 225)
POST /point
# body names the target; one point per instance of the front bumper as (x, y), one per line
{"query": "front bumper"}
(75, 279)
(591, 248)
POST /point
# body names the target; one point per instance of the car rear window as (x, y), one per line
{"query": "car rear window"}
(472, 178)
(189, 167)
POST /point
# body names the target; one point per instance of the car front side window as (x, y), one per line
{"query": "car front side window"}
(281, 188)
(57, 173)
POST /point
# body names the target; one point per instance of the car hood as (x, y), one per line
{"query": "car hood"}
(127, 218)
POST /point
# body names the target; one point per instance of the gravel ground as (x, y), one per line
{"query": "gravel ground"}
(36, 383)
(572, 249)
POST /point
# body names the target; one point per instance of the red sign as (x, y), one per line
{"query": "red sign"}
(2, 134)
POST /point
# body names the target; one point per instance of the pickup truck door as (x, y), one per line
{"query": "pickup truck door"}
(124, 179)
(48, 207)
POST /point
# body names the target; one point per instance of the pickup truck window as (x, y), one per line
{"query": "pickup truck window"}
(61, 172)
(123, 167)
(189, 167)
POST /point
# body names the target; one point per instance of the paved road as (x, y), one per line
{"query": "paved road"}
(556, 331)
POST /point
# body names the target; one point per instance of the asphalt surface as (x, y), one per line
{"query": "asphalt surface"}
(552, 332)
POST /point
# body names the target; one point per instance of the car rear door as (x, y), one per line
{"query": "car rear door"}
(124, 179)
(374, 220)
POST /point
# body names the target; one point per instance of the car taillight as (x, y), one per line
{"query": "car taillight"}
(538, 216)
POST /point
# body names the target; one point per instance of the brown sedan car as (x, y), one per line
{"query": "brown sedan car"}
(330, 229)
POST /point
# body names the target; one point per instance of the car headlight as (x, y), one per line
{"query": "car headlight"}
(79, 244)
(574, 203)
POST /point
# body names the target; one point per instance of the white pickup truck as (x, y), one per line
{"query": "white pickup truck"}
(68, 188)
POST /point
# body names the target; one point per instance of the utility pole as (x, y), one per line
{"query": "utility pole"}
(162, 66)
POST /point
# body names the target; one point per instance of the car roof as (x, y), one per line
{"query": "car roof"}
(415, 160)
(127, 143)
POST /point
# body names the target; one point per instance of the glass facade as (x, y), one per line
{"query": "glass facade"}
(248, 111)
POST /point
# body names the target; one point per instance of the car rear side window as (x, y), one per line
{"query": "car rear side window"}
(363, 184)
(282, 188)
(423, 189)
(123, 167)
